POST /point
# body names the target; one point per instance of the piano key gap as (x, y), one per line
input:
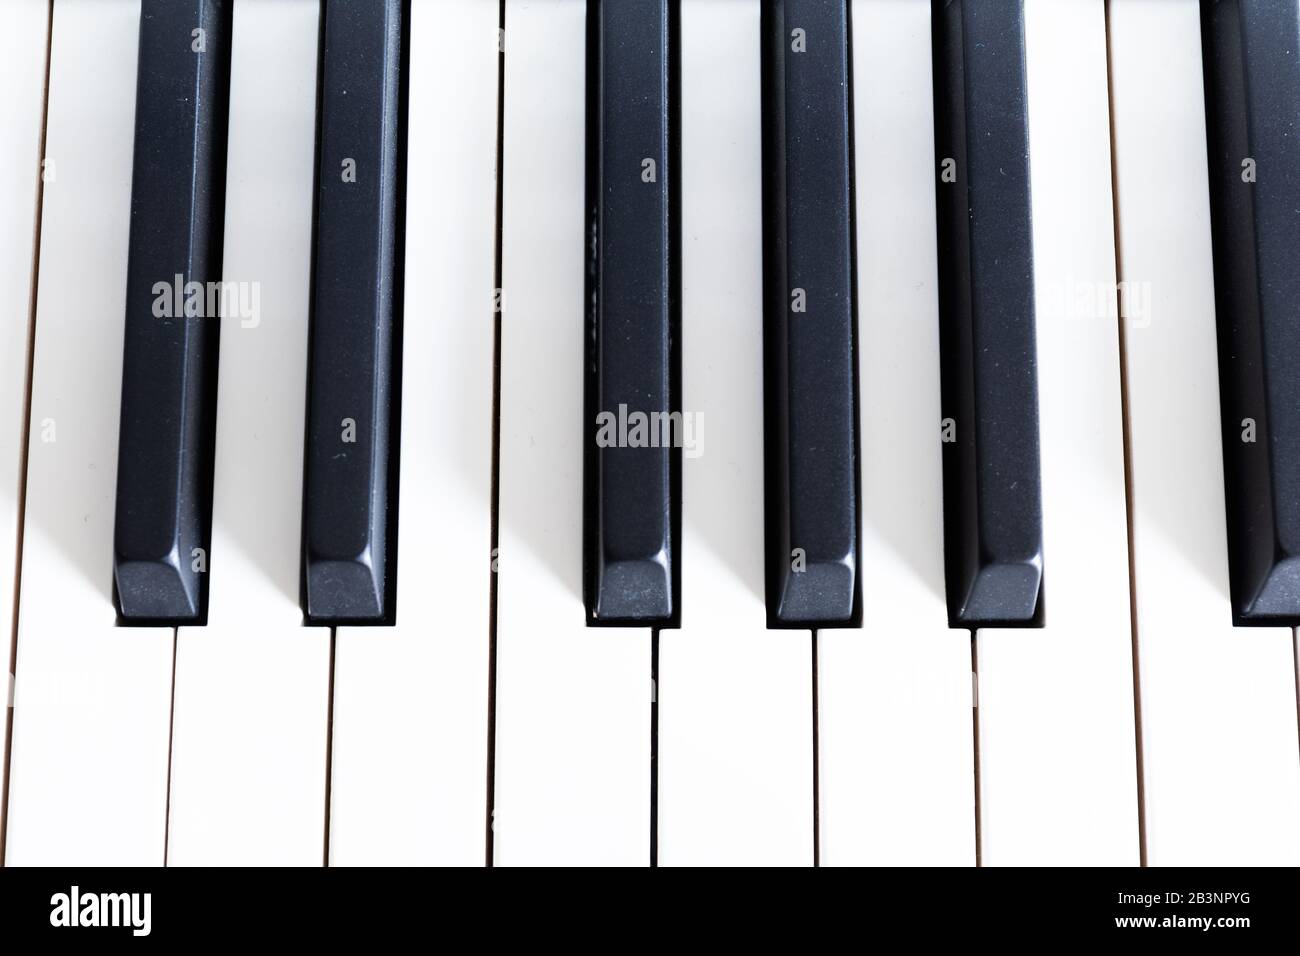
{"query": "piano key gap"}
(1126, 432)
(975, 749)
(816, 751)
(329, 748)
(24, 432)
(494, 496)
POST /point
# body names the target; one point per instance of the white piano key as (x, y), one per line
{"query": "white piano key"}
(1057, 757)
(735, 751)
(409, 765)
(572, 771)
(24, 38)
(1220, 754)
(252, 687)
(896, 763)
(88, 782)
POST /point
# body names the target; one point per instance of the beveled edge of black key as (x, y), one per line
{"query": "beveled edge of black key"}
(634, 592)
(157, 593)
(787, 597)
(656, 579)
(824, 594)
(997, 587)
(1273, 602)
(333, 589)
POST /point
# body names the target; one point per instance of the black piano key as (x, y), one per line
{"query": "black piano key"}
(632, 378)
(809, 314)
(993, 518)
(164, 475)
(1252, 100)
(356, 298)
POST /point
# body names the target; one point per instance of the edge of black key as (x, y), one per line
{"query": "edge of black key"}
(383, 611)
(838, 577)
(155, 589)
(647, 576)
(983, 589)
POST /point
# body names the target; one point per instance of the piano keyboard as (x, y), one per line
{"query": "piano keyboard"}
(626, 432)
